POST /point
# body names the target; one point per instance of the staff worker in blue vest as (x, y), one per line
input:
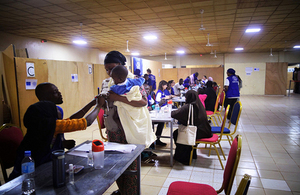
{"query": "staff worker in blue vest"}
(231, 87)
(152, 77)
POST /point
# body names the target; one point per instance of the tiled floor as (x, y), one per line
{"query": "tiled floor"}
(270, 126)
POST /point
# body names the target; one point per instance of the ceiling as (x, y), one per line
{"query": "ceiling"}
(107, 24)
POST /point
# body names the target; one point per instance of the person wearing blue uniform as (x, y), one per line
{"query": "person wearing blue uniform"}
(161, 92)
(231, 87)
(152, 77)
(186, 82)
(148, 81)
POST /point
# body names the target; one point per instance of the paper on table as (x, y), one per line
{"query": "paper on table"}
(124, 148)
(108, 146)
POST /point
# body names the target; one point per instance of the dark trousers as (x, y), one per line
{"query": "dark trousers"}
(159, 129)
(231, 102)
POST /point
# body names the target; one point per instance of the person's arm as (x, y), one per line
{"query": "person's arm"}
(181, 114)
(84, 110)
(226, 84)
(70, 125)
(115, 97)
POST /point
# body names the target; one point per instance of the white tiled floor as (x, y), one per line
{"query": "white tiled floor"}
(270, 126)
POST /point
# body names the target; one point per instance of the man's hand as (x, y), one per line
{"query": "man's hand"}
(68, 144)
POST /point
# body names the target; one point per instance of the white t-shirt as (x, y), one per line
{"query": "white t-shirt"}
(177, 87)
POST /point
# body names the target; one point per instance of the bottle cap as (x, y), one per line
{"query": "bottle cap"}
(97, 145)
(170, 102)
(27, 153)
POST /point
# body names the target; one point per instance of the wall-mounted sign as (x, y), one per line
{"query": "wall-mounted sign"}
(30, 84)
(90, 68)
(74, 77)
(30, 69)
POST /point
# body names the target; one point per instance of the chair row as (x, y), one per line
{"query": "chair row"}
(189, 188)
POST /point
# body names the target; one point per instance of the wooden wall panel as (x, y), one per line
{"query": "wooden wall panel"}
(86, 84)
(217, 73)
(99, 75)
(183, 73)
(60, 75)
(169, 74)
(276, 78)
(27, 97)
(10, 83)
(155, 67)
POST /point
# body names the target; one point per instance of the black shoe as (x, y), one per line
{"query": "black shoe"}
(117, 192)
(160, 143)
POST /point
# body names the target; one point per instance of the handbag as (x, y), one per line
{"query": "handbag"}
(187, 134)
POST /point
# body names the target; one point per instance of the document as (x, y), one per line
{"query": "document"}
(84, 149)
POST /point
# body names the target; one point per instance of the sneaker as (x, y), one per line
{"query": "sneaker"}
(160, 143)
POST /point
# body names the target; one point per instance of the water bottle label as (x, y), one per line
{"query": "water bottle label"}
(28, 167)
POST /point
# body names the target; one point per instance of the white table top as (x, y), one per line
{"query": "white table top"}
(178, 99)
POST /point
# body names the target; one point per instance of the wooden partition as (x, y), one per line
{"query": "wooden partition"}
(10, 83)
(176, 73)
(183, 73)
(169, 74)
(75, 94)
(217, 73)
(99, 75)
(276, 78)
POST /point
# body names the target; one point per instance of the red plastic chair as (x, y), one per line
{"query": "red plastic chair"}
(10, 139)
(221, 103)
(213, 114)
(213, 141)
(189, 188)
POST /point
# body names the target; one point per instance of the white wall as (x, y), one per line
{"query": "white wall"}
(52, 50)
(252, 84)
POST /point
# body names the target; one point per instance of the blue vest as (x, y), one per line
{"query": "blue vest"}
(162, 96)
(233, 88)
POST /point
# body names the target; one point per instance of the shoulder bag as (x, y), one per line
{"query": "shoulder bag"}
(187, 134)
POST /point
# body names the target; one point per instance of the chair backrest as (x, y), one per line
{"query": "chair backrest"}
(235, 115)
(232, 164)
(217, 104)
(244, 185)
(222, 100)
(10, 139)
(223, 122)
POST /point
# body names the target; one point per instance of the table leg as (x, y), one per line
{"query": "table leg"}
(139, 174)
(171, 143)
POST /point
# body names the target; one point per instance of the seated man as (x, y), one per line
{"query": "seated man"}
(43, 125)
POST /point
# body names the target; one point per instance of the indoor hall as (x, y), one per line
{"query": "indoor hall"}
(270, 129)
(43, 32)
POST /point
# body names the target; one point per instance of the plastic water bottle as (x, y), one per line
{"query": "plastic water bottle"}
(157, 108)
(98, 153)
(28, 165)
(71, 174)
(170, 103)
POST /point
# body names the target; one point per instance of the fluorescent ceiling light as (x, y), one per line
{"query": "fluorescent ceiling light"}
(239, 49)
(135, 54)
(150, 37)
(250, 30)
(296, 46)
(80, 42)
(180, 52)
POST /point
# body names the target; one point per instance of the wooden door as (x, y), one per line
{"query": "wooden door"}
(276, 78)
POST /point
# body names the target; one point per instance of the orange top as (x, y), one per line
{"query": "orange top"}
(69, 125)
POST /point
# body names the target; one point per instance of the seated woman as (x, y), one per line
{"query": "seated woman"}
(211, 98)
(182, 152)
(161, 98)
